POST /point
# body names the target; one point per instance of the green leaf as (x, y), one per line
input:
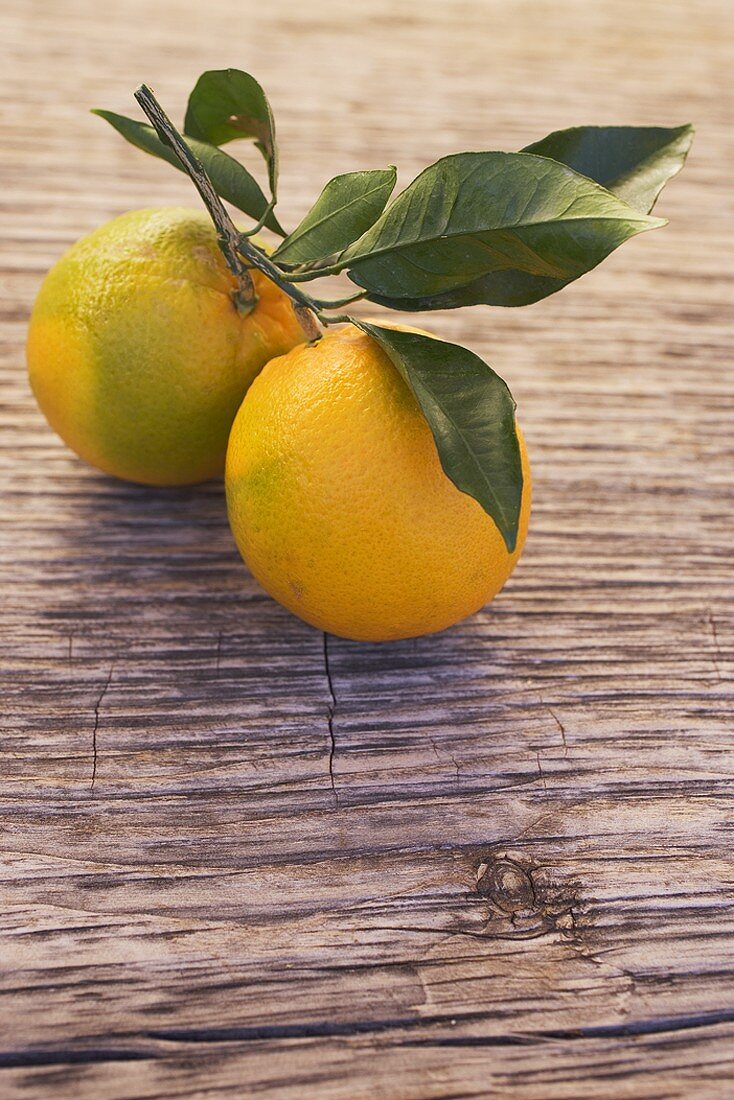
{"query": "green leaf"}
(345, 209)
(471, 414)
(230, 179)
(227, 104)
(633, 162)
(499, 228)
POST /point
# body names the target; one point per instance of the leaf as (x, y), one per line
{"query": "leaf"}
(633, 162)
(345, 209)
(230, 179)
(228, 104)
(471, 414)
(499, 228)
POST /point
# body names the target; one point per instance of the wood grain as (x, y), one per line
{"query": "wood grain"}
(494, 862)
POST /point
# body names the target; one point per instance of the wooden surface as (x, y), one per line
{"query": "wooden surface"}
(519, 881)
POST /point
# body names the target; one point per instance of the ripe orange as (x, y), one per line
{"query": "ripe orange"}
(137, 355)
(340, 507)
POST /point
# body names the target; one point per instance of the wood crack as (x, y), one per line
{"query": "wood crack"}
(717, 648)
(330, 712)
(28, 1059)
(97, 705)
(541, 773)
(561, 727)
(659, 1025)
(320, 1029)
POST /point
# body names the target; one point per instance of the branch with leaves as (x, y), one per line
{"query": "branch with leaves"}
(492, 228)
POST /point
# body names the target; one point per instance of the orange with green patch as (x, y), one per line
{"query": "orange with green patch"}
(137, 354)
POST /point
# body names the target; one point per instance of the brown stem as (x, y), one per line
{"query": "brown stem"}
(236, 245)
(227, 234)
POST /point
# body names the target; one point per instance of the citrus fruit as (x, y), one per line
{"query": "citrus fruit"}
(137, 354)
(340, 507)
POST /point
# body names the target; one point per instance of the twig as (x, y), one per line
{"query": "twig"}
(234, 244)
(228, 235)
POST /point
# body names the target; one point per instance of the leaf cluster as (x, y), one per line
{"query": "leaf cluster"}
(494, 228)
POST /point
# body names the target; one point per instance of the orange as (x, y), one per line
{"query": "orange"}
(137, 354)
(340, 507)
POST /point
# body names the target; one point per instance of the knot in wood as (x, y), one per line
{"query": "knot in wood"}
(507, 885)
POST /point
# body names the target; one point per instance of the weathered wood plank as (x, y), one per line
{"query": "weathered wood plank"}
(511, 874)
